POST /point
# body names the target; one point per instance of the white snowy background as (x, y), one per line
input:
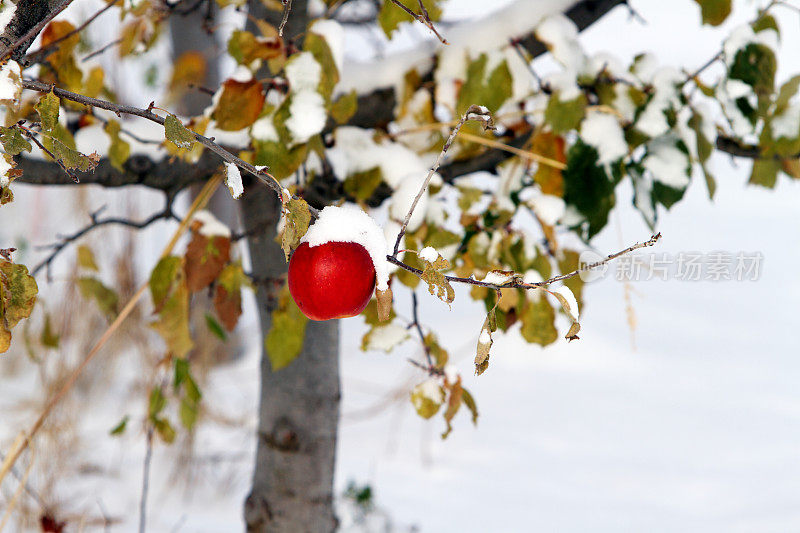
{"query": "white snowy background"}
(690, 423)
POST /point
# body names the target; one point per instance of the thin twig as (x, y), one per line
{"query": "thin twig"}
(59, 246)
(17, 493)
(25, 438)
(473, 113)
(423, 18)
(120, 109)
(148, 457)
(25, 131)
(416, 324)
(287, 8)
(517, 283)
(33, 32)
(100, 50)
(34, 57)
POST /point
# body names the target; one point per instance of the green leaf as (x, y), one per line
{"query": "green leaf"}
(156, 403)
(120, 150)
(164, 430)
(188, 412)
(390, 16)
(14, 142)
(47, 107)
(489, 92)
(587, 187)
(171, 300)
(106, 299)
(765, 172)
(18, 292)
(282, 160)
(564, 115)
(284, 341)
(49, 338)
(469, 401)
(119, 429)
(538, 322)
(86, 258)
(345, 107)
(362, 185)
(714, 12)
(177, 133)
(162, 279)
(298, 217)
(755, 65)
(215, 328)
(786, 93)
(427, 398)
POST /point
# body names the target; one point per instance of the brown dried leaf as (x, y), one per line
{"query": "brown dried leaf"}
(205, 258)
(239, 105)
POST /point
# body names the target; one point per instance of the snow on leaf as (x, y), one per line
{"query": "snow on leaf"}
(297, 218)
(284, 341)
(233, 180)
(427, 398)
(570, 306)
(18, 292)
(307, 115)
(603, 132)
(485, 341)
(384, 337)
(177, 133)
(432, 275)
(207, 224)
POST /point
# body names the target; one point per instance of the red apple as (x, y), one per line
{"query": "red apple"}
(332, 280)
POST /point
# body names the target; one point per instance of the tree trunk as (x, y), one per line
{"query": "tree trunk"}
(299, 410)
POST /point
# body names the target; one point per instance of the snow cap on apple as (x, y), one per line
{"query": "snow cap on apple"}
(340, 261)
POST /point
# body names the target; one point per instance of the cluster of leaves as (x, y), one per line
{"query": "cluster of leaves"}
(578, 134)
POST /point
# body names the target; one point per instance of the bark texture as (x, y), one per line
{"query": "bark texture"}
(299, 405)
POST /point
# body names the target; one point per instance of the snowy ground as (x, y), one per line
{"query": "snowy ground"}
(697, 428)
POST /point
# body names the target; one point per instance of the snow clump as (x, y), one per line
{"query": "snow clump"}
(351, 224)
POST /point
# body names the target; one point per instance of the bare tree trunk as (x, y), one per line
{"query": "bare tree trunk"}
(299, 406)
(299, 414)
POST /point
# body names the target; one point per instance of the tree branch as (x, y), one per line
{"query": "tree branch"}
(517, 283)
(97, 222)
(31, 18)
